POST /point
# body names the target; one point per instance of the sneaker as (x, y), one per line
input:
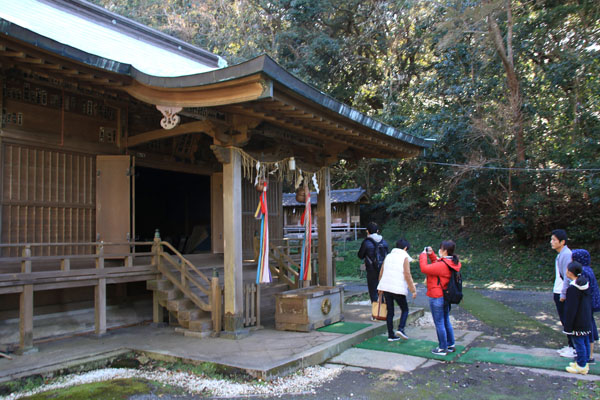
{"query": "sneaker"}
(393, 339)
(451, 349)
(591, 361)
(402, 334)
(569, 353)
(438, 352)
(576, 369)
(563, 349)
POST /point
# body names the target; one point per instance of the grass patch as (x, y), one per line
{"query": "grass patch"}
(586, 390)
(483, 255)
(510, 324)
(115, 389)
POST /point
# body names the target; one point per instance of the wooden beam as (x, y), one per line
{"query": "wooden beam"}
(205, 126)
(240, 90)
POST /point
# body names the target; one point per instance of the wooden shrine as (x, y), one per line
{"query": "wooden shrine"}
(93, 151)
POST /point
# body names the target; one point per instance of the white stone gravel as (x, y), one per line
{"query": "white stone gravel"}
(426, 321)
(301, 382)
(361, 303)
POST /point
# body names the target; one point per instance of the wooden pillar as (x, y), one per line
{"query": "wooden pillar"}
(26, 308)
(158, 311)
(100, 295)
(232, 235)
(215, 302)
(324, 229)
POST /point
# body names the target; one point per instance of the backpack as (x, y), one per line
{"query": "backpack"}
(380, 252)
(453, 293)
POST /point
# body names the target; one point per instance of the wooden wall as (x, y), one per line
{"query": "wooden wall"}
(250, 225)
(47, 196)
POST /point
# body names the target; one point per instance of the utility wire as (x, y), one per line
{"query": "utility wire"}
(513, 169)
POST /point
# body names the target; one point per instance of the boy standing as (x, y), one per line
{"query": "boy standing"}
(373, 250)
(558, 242)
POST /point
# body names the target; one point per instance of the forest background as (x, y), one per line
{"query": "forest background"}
(507, 90)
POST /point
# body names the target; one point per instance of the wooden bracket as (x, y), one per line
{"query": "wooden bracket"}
(222, 153)
(170, 118)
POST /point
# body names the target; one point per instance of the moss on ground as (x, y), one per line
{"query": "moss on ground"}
(115, 390)
(510, 324)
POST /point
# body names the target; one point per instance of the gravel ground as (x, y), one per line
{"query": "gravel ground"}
(438, 381)
(305, 382)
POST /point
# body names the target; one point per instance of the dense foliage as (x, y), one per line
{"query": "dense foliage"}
(509, 90)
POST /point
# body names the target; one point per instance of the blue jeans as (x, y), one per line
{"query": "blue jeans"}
(582, 346)
(440, 311)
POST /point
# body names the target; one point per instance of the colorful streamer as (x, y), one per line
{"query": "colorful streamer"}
(306, 220)
(263, 274)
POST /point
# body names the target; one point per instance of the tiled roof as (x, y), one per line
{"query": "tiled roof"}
(337, 196)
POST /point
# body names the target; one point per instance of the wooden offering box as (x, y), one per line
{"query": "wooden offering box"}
(308, 308)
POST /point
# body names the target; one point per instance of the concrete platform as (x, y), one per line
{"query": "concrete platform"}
(264, 353)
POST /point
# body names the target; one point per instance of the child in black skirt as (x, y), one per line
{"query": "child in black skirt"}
(578, 310)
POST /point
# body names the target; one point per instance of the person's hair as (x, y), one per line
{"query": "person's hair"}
(560, 234)
(372, 227)
(402, 243)
(449, 246)
(576, 269)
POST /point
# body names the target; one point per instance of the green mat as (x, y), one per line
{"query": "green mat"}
(478, 354)
(344, 327)
(412, 347)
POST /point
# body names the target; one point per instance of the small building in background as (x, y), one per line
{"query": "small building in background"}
(345, 212)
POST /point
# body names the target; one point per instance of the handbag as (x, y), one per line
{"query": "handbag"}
(379, 309)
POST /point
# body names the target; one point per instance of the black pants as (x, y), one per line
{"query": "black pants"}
(372, 281)
(401, 300)
(560, 308)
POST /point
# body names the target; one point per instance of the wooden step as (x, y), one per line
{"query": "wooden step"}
(191, 314)
(172, 294)
(201, 325)
(159, 284)
(179, 304)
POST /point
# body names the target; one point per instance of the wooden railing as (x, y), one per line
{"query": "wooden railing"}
(287, 255)
(27, 273)
(186, 281)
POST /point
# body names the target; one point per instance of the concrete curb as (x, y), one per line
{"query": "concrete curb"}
(314, 356)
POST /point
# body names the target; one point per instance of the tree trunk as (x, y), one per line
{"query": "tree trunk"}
(506, 55)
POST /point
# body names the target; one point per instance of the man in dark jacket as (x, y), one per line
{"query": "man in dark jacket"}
(369, 249)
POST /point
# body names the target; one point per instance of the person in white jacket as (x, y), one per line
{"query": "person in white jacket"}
(395, 281)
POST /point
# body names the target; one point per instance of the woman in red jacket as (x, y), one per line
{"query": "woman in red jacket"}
(438, 275)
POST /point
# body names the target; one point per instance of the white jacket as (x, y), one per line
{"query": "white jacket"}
(392, 279)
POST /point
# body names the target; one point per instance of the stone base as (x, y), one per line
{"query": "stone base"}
(239, 334)
(27, 350)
